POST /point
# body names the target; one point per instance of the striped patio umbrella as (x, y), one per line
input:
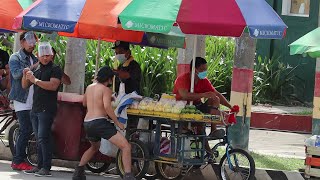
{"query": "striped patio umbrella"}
(205, 17)
(307, 45)
(9, 10)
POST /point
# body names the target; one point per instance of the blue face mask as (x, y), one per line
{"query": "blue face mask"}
(202, 75)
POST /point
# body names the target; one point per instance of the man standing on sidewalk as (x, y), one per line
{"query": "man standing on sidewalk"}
(22, 98)
(46, 79)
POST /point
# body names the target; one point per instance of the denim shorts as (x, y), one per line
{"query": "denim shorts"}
(99, 128)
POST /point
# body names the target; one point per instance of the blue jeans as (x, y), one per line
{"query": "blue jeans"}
(41, 123)
(25, 130)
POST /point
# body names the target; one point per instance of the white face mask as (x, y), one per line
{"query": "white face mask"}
(121, 57)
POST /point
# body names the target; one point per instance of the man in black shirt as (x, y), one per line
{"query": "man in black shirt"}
(129, 71)
(46, 79)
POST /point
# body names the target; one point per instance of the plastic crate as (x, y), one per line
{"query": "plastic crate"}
(312, 162)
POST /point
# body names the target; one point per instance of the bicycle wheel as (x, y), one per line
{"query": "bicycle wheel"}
(31, 151)
(13, 136)
(240, 166)
(97, 167)
(168, 170)
(140, 159)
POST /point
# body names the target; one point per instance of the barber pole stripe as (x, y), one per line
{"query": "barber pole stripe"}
(316, 102)
(316, 107)
(242, 80)
(183, 68)
(243, 100)
(317, 85)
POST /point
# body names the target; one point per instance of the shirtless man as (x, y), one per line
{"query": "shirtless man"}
(97, 125)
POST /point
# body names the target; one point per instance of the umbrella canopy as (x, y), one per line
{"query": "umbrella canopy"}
(91, 19)
(7, 13)
(308, 44)
(205, 17)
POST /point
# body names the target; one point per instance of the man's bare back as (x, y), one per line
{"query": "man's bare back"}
(98, 100)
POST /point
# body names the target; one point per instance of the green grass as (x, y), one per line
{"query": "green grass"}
(273, 162)
(276, 162)
(306, 112)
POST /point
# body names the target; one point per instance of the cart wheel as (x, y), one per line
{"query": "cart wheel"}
(168, 170)
(31, 151)
(140, 159)
(241, 163)
(98, 167)
(13, 136)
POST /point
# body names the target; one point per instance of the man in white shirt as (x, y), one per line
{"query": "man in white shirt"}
(22, 98)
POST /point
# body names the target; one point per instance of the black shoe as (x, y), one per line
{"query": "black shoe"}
(129, 176)
(43, 173)
(32, 171)
(79, 173)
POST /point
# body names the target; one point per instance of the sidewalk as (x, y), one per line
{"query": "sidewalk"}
(58, 173)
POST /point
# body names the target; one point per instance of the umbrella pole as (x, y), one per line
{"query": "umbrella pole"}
(97, 57)
(193, 65)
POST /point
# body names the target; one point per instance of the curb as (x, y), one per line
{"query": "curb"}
(282, 122)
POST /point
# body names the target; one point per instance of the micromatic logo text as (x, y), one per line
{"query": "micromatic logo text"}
(58, 26)
(258, 32)
(131, 24)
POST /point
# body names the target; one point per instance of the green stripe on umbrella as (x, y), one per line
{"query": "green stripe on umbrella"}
(25, 3)
(308, 44)
(150, 16)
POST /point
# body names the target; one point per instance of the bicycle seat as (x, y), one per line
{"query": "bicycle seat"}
(217, 134)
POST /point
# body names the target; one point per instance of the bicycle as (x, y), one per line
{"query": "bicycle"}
(234, 164)
(8, 117)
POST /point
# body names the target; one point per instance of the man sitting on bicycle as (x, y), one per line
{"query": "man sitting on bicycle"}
(202, 89)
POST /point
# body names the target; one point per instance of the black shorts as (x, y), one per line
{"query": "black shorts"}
(99, 128)
(205, 107)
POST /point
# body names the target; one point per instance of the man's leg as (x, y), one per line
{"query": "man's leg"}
(213, 108)
(87, 156)
(44, 132)
(24, 134)
(79, 173)
(35, 126)
(121, 142)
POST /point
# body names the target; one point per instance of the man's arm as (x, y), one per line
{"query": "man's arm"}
(24, 81)
(223, 100)
(188, 96)
(15, 67)
(51, 85)
(65, 79)
(84, 101)
(107, 94)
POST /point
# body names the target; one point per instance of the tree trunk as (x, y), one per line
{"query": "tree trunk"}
(241, 89)
(75, 65)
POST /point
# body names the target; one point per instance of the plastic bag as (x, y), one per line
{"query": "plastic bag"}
(109, 149)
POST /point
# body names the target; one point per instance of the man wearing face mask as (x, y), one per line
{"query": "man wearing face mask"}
(22, 98)
(129, 71)
(202, 89)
